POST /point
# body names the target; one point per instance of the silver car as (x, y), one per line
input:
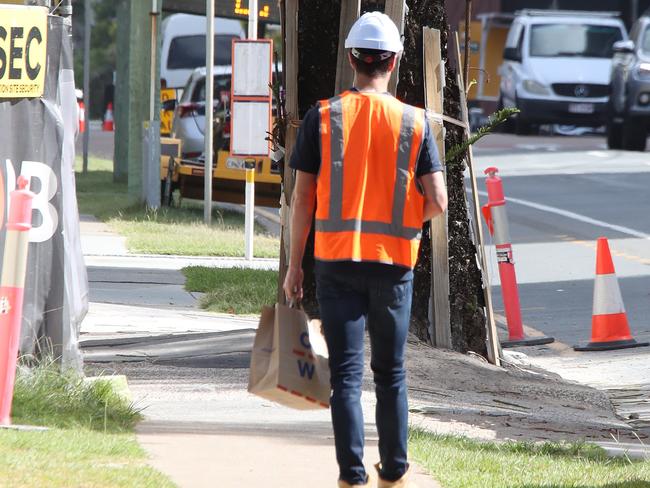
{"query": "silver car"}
(629, 104)
(189, 115)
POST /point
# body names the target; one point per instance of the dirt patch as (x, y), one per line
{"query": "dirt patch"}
(449, 393)
(512, 402)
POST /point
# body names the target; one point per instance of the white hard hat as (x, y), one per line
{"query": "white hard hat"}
(375, 30)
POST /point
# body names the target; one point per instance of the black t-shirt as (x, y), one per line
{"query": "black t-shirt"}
(306, 153)
(306, 157)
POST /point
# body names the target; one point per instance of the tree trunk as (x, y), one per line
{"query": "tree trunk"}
(318, 32)
(318, 40)
(465, 284)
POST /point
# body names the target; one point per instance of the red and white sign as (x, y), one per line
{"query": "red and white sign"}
(251, 100)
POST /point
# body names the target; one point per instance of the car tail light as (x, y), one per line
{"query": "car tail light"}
(187, 109)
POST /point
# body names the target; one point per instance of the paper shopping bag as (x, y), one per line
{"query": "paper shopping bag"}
(289, 362)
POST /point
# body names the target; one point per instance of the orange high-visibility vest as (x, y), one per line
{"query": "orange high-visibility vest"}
(368, 206)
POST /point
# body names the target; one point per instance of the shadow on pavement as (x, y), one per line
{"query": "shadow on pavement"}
(230, 349)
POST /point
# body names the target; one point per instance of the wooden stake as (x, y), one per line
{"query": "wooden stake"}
(395, 10)
(434, 82)
(291, 79)
(350, 10)
(493, 347)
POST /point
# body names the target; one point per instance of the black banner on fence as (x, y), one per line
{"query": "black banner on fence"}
(37, 141)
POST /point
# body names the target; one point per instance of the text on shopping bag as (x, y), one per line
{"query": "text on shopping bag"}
(305, 368)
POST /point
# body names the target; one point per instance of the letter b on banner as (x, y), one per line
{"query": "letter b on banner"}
(42, 181)
(49, 220)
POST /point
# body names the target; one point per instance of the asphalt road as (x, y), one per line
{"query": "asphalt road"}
(564, 193)
(100, 143)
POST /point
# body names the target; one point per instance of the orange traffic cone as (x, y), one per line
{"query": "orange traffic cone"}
(108, 124)
(609, 327)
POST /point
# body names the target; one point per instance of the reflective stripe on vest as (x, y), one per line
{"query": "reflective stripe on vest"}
(402, 240)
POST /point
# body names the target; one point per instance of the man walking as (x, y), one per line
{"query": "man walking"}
(368, 165)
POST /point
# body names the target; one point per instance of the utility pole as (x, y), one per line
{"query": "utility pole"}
(252, 19)
(87, 33)
(151, 127)
(209, 111)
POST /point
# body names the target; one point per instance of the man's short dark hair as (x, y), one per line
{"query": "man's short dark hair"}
(370, 63)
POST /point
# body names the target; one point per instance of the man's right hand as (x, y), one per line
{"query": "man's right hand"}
(293, 284)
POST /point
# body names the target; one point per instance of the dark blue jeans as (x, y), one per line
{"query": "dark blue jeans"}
(347, 301)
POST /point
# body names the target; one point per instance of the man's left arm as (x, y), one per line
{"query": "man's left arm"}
(435, 194)
(431, 177)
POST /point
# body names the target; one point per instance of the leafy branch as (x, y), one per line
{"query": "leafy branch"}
(496, 119)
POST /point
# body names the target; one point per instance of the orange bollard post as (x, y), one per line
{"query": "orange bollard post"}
(82, 117)
(12, 283)
(497, 220)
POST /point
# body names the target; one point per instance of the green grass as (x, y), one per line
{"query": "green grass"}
(45, 396)
(236, 290)
(67, 458)
(176, 230)
(462, 463)
(89, 443)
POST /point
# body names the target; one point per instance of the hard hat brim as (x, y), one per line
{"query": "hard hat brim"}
(378, 45)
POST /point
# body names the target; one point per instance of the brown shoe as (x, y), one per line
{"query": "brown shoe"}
(403, 482)
(345, 484)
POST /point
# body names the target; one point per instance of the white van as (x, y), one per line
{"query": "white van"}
(183, 46)
(556, 67)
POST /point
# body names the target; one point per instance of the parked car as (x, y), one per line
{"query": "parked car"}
(228, 171)
(629, 104)
(189, 116)
(556, 67)
(183, 46)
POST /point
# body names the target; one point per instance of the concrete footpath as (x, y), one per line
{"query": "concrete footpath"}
(187, 370)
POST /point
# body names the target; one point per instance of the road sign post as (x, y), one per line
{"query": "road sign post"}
(209, 112)
(250, 208)
(251, 115)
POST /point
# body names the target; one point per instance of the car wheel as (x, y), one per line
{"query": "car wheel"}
(634, 135)
(615, 135)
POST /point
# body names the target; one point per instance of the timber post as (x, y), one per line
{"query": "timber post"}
(434, 81)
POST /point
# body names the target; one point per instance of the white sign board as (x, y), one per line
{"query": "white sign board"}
(251, 97)
(252, 69)
(252, 120)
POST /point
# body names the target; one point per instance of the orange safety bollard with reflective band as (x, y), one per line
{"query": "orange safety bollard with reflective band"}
(12, 283)
(497, 220)
(609, 326)
(82, 117)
